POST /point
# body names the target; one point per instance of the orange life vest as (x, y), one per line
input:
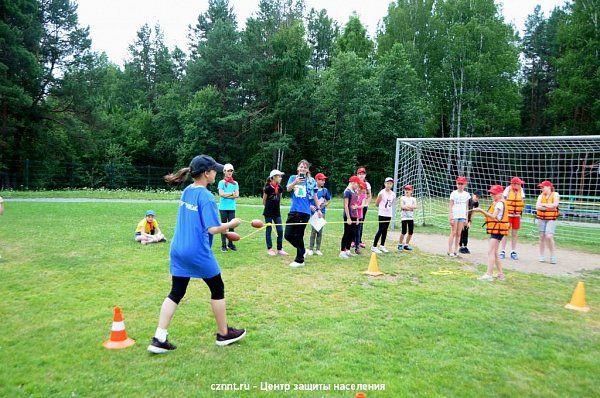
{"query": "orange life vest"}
(548, 214)
(495, 227)
(514, 202)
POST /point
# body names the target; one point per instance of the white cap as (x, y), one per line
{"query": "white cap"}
(275, 172)
(228, 166)
(389, 179)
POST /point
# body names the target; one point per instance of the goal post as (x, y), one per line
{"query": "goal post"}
(571, 163)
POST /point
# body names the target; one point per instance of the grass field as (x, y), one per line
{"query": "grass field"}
(65, 265)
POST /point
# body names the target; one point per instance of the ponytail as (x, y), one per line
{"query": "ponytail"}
(269, 180)
(177, 177)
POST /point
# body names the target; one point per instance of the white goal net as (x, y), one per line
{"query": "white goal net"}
(572, 164)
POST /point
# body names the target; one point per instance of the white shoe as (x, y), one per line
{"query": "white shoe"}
(318, 252)
(375, 250)
(294, 264)
(344, 256)
(486, 278)
(383, 249)
(542, 259)
(309, 252)
(350, 253)
(553, 260)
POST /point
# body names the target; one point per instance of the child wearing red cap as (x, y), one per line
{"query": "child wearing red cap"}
(385, 200)
(546, 213)
(362, 174)
(459, 199)
(496, 225)
(350, 216)
(360, 207)
(514, 196)
(408, 204)
(323, 196)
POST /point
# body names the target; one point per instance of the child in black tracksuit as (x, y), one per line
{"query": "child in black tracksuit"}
(464, 235)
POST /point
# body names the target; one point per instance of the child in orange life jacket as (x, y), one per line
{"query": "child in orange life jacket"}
(547, 213)
(496, 225)
(514, 196)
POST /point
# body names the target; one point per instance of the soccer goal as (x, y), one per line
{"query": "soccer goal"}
(572, 164)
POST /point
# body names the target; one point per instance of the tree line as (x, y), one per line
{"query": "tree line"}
(292, 84)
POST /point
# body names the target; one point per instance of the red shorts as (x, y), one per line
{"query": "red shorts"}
(515, 222)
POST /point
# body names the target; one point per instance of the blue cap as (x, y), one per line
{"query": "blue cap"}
(150, 213)
(202, 163)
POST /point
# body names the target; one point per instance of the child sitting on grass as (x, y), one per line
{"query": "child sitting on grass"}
(147, 230)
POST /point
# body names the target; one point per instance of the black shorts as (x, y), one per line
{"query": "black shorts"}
(408, 225)
(496, 236)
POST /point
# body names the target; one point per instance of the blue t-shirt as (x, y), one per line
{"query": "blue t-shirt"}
(191, 252)
(322, 193)
(227, 203)
(302, 194)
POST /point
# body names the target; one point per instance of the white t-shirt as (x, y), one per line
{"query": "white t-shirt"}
(387, 200)
(507, 190)
(407, 201)
(500, 207)
(459, 209)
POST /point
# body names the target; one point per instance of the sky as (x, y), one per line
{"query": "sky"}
(114, 23)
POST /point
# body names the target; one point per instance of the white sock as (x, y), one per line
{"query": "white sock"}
(161, 334)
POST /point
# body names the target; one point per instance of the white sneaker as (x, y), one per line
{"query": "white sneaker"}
(553, 260)
(294, 264)
(452, 255)
(309, 252)
(375, 250)
(542, 259)
(318, 252)
(486, 278)
(350, 253)
(383, 249)
(344, 256)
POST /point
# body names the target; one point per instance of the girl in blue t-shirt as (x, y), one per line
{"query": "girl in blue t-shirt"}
(229, 190)
(303, 188)
(191, 255)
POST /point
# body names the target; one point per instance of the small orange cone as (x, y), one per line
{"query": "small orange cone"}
(373, 269)
(118, 335)
(578, 299)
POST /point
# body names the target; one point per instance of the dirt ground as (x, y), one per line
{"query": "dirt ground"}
(570, 262)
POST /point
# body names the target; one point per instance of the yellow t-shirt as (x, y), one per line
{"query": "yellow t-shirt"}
(145, 226)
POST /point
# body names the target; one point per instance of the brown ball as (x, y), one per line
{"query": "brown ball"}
(257, 223)
(233, 236)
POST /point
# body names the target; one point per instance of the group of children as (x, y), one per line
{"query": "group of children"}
(503, 216)
(191, 254)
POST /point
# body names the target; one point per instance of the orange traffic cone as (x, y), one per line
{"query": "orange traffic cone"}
(373, 269)
(578, 299)
(118, 334)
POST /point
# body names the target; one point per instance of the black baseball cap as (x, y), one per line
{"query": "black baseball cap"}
(202, 163)
(478, 193)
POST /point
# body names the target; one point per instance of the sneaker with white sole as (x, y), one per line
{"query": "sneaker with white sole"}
(309, 252)
(514, 255)
(160, 347)
(375, 250)
(400, 247)
(501, 277)
(407, 247)
(542, 259)
(486, 278)
(344, 256)
(502, 255)
(452, 255)
(282, 252)
(350, 253)
(318, 252)
(271, 252)
(232, 336)
(383, 249)
(294, 264)
(553, 260)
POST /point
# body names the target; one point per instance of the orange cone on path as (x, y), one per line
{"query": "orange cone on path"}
(373, 269)
(578, 299)
(118, 335)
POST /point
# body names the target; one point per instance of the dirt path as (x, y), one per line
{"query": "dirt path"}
(570, 262)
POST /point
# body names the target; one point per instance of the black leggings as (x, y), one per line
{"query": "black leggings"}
(408, 225)
(349, 233)
(180, 284)
(384, 223)
(464, 237)
(295, 233)
(226, 216)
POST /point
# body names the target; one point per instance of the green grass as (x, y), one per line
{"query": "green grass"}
(64, 267)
